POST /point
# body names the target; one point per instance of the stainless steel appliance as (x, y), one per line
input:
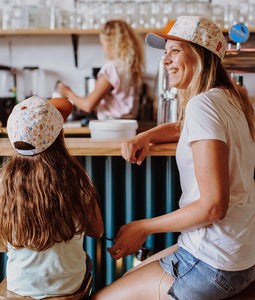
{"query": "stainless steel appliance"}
(166, 97)
(7, 92)
(31, 74)
(240, 60)
(90, 81)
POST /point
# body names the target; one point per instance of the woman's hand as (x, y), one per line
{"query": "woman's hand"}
(134, 150)
(129, 239)
(63, 90)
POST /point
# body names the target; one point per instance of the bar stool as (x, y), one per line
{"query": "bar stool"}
(247, 294)
(84, 292)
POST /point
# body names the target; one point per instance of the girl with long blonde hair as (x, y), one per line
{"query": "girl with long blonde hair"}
(117, 90)
(48, 203)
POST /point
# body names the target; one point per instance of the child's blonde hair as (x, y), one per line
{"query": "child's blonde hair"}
(44, 198)
(124, 44)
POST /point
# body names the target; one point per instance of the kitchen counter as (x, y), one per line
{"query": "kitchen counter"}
(74, 128)
(97, 147)
(69, 128)
(127, 191)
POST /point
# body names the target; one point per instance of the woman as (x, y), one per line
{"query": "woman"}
(214, 256)
(116, 93)
(48, 202)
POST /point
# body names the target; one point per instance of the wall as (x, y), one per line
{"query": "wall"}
(54, 55)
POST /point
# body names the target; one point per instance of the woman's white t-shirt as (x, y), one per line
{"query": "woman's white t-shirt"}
(227, 244)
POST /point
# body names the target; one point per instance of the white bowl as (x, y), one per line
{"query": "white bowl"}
(113, 129)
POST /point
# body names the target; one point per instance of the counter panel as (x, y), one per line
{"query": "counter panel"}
(127, 192)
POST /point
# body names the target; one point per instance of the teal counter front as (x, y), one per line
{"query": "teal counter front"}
(127, 192)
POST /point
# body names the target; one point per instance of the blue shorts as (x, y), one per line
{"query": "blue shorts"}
(196, 280)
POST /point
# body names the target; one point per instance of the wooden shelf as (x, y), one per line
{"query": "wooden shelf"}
(46, 31)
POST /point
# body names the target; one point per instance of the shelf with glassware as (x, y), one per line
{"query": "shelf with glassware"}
(47, 31)
(60, 31)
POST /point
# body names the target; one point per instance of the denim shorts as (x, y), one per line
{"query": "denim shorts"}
(196, 280)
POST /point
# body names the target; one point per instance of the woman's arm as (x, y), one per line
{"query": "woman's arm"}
(212, 174)
(89, 102)
(135, 149)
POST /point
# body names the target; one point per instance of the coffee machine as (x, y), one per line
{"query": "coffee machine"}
(7, 92)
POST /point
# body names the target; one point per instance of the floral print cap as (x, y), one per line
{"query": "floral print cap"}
(198, 30)
(38, 122)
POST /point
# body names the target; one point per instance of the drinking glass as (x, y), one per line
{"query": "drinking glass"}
(155, 14)
(144, 14)
(218, 15)
(244, 12)
(168, 9)
(231, 16)
(251, 16)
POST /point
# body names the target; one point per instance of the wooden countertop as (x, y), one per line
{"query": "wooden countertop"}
(96, 147)
(75, 128)
(67, 130)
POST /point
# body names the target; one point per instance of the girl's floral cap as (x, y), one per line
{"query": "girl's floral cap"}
(38, 122)
(197, 30)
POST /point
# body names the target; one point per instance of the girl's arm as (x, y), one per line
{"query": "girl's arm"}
(95, 225)
(90, 102)
(212, 174)
(135, 149)
(2, 247)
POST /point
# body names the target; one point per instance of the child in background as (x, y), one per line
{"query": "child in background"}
(117, 90)
(48, 202)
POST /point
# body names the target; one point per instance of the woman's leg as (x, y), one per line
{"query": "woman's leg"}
(150, 282)
(154, 257)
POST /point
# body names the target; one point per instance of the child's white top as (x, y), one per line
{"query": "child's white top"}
(122, 101)
(57, 271)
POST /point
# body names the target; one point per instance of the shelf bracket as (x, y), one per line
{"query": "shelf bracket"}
(75, 39)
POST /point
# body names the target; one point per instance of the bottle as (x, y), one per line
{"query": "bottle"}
(146, 105)
(168, 110)
(239, 80)
(141, 255)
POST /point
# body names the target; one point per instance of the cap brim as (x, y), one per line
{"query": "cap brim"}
(63, 105)
(158, 40)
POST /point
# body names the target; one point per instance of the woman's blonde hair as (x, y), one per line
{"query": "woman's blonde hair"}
(210, 73)
(44, 198)
(125, 45)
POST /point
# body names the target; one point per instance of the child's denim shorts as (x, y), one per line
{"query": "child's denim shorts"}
(196, 280)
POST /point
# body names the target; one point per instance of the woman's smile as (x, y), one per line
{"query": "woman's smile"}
(179, 61)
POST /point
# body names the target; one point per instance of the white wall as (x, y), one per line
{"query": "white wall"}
(55, 58)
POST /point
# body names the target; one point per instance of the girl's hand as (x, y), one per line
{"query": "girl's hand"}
(63, 90)
(129, 239)
(134, 150)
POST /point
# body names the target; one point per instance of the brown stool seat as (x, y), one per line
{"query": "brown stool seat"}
(84, 292)
(247, 294)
